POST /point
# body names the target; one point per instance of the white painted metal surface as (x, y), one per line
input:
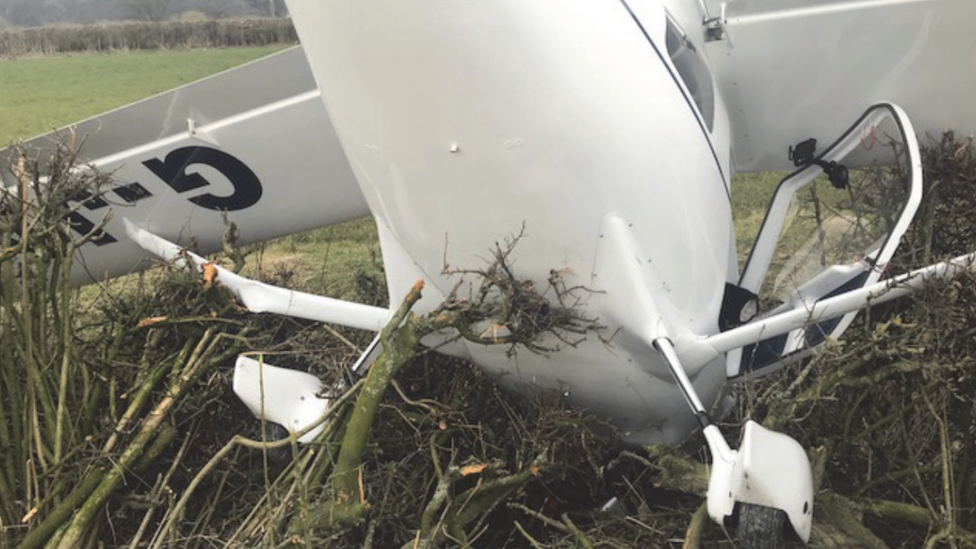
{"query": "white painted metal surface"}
(794, 69)
(281, 395)
(259, 297)
(833, 307)
(769, 469)
(461, 122)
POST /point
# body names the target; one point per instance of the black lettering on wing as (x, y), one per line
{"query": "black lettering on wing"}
(173, 171)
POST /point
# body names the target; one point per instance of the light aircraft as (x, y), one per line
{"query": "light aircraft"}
(610, 130)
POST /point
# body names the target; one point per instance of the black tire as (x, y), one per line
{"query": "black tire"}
(761, 527)
(274, 432)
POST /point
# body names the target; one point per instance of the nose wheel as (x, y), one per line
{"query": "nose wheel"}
(768, 480)
(273, 433)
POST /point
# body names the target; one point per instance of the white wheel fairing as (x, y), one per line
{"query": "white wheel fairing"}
(769, 469)
(280, 395)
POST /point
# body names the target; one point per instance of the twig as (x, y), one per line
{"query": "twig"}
(577, 533)
(335, 333)
(400, 342)
(197, 363)
(176, 512)
(531, 540)
(696, 527)
(537, 515)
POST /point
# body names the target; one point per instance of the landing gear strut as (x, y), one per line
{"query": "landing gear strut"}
(768, 477)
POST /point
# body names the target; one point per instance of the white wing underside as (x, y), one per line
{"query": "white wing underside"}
(794, 69)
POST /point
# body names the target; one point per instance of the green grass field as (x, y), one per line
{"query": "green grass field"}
(750, 198)
(44, 93)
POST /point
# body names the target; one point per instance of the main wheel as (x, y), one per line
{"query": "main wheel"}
(761, 527)
(273, 433)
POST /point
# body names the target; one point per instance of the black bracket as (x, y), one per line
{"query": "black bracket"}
(739, 306)
(714, 29)
(803, 154)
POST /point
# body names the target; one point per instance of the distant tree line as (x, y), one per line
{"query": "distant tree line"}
(36, 13)
(146, 35)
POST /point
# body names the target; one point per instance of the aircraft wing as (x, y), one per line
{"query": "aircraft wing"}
(254, 142)
(794, 69)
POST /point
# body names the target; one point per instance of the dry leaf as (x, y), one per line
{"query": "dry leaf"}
(473, 469)
(209, 274)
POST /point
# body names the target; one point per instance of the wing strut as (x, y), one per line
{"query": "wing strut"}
(259, 297)
(833, 307)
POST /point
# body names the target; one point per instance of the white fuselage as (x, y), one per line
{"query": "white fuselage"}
(465, 120)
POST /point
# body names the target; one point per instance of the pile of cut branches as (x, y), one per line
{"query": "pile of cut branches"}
(91, 389)
(118, 425)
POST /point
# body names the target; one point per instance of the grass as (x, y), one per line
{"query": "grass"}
(341, 261)
(43, 93)
(751, 194)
